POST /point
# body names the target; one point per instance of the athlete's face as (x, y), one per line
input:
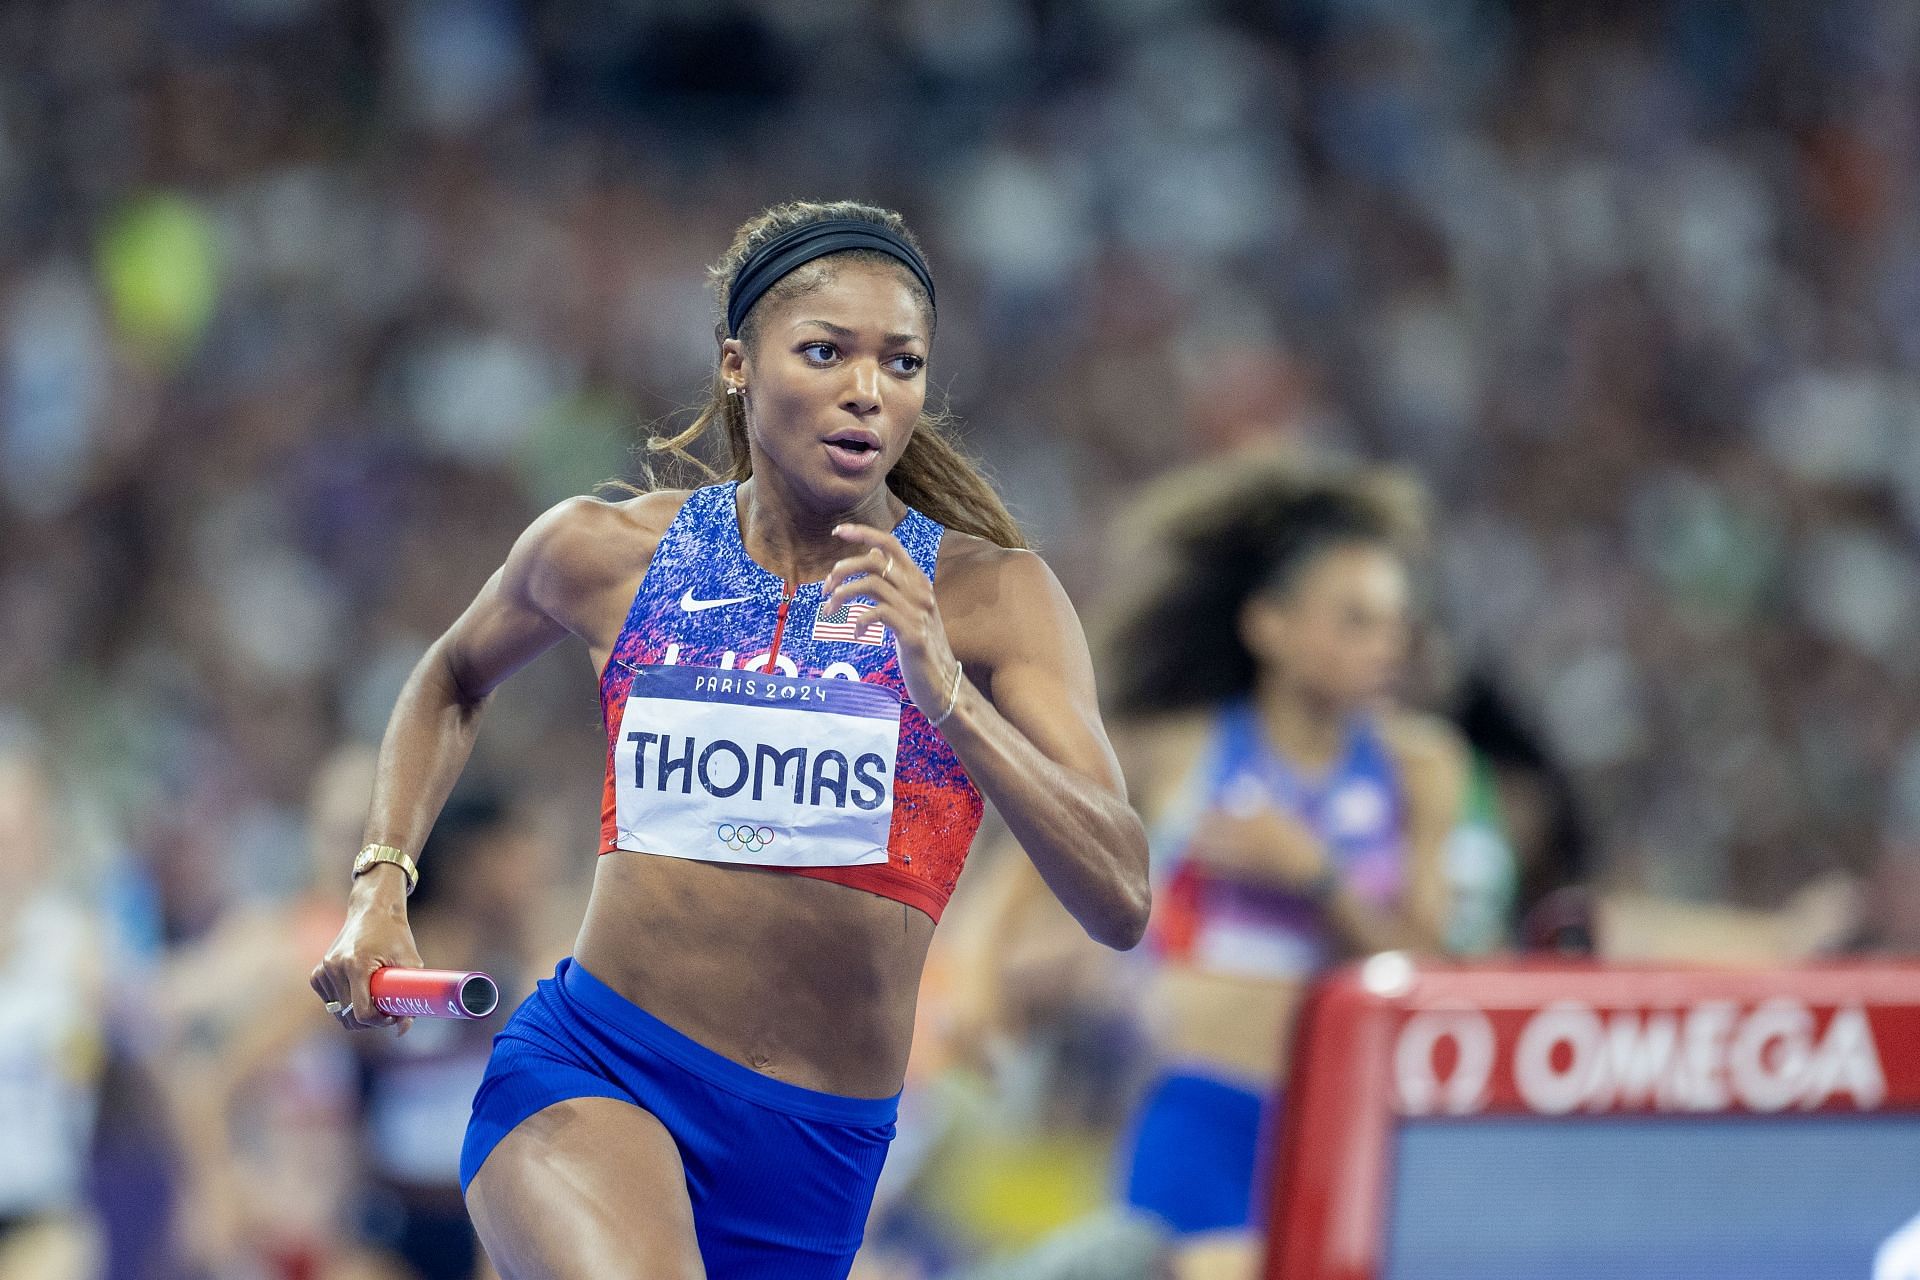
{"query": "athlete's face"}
(1340, 631)
(835, 378)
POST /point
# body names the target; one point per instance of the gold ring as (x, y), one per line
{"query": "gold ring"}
(888, 561)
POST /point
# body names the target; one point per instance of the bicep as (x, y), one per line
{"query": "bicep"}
(497, 635)
(518, 614)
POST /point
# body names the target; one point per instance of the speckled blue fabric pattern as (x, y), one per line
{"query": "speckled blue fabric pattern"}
(705, 602)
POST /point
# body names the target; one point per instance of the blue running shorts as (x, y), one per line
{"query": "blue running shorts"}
(781, 1177)
(1197, 1155)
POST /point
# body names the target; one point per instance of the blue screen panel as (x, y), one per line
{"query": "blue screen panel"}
(1657, 1198)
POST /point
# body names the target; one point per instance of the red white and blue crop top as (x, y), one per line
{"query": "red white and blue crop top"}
(1226, 925)
(712, 757)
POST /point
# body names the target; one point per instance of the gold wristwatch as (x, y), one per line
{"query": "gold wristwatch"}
(375, 854)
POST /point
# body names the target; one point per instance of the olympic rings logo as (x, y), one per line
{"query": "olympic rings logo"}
(745, 838)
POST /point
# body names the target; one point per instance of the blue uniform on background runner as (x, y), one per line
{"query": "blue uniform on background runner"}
(1197, 1149)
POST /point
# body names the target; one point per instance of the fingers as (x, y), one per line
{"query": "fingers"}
(902, 601)
(881, 594)
(329, 983)
(861, 566)
(343, 985)
(880, 554)
(364, 1014)
(882, 571)
(877, 549)
(336, 993)
(868, 536)
(321, 979)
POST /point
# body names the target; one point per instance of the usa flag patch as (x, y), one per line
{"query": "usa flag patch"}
(844, 625)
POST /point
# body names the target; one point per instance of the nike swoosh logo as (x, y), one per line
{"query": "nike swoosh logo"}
(689, 605)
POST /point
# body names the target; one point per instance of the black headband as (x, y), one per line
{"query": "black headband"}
(791, 250)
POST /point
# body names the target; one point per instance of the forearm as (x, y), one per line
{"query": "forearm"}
(1083, 838)
(429, 738)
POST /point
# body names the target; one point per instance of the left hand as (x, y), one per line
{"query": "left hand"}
(902, 596)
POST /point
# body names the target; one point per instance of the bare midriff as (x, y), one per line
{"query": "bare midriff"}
(806, 981)
(1242, 1026)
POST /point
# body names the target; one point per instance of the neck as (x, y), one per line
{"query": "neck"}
(796, 540)
(1307, 731)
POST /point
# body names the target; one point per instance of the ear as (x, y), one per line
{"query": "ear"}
(733, 361)
(1263, 627)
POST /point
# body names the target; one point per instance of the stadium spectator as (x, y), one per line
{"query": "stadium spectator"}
(305, 308)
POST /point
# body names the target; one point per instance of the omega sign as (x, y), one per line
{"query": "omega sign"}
(1567, 1057)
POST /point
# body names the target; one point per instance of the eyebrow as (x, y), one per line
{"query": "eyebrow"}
(841, 331)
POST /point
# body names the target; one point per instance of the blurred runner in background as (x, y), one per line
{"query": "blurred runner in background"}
(1299, 815)
(265, 1096)
(311, 1157)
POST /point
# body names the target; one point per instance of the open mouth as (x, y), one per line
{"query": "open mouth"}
(853, 445)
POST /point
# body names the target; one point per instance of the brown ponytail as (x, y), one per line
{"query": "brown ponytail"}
(932, 476)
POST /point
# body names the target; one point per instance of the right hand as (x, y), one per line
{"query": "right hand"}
(376, 934)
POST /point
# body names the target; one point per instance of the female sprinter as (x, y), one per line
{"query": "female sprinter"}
(810, 675)
(1302, 816)
(1299, 816)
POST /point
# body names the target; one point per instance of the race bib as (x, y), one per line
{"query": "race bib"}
(732, 766)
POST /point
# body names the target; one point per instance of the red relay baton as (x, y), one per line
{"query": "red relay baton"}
(432, 993)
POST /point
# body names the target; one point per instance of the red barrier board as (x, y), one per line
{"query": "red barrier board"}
(1389, 1041)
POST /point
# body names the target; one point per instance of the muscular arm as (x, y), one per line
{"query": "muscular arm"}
(1027, 727)
(523, 610)
(557, 580)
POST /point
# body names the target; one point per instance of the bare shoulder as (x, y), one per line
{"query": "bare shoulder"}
(971, 567)
(1430, 751)
(1001, 603)
(580, 562)
(972, 563)
(585, 544)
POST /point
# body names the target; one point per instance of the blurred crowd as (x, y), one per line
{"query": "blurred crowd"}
(308, 306)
